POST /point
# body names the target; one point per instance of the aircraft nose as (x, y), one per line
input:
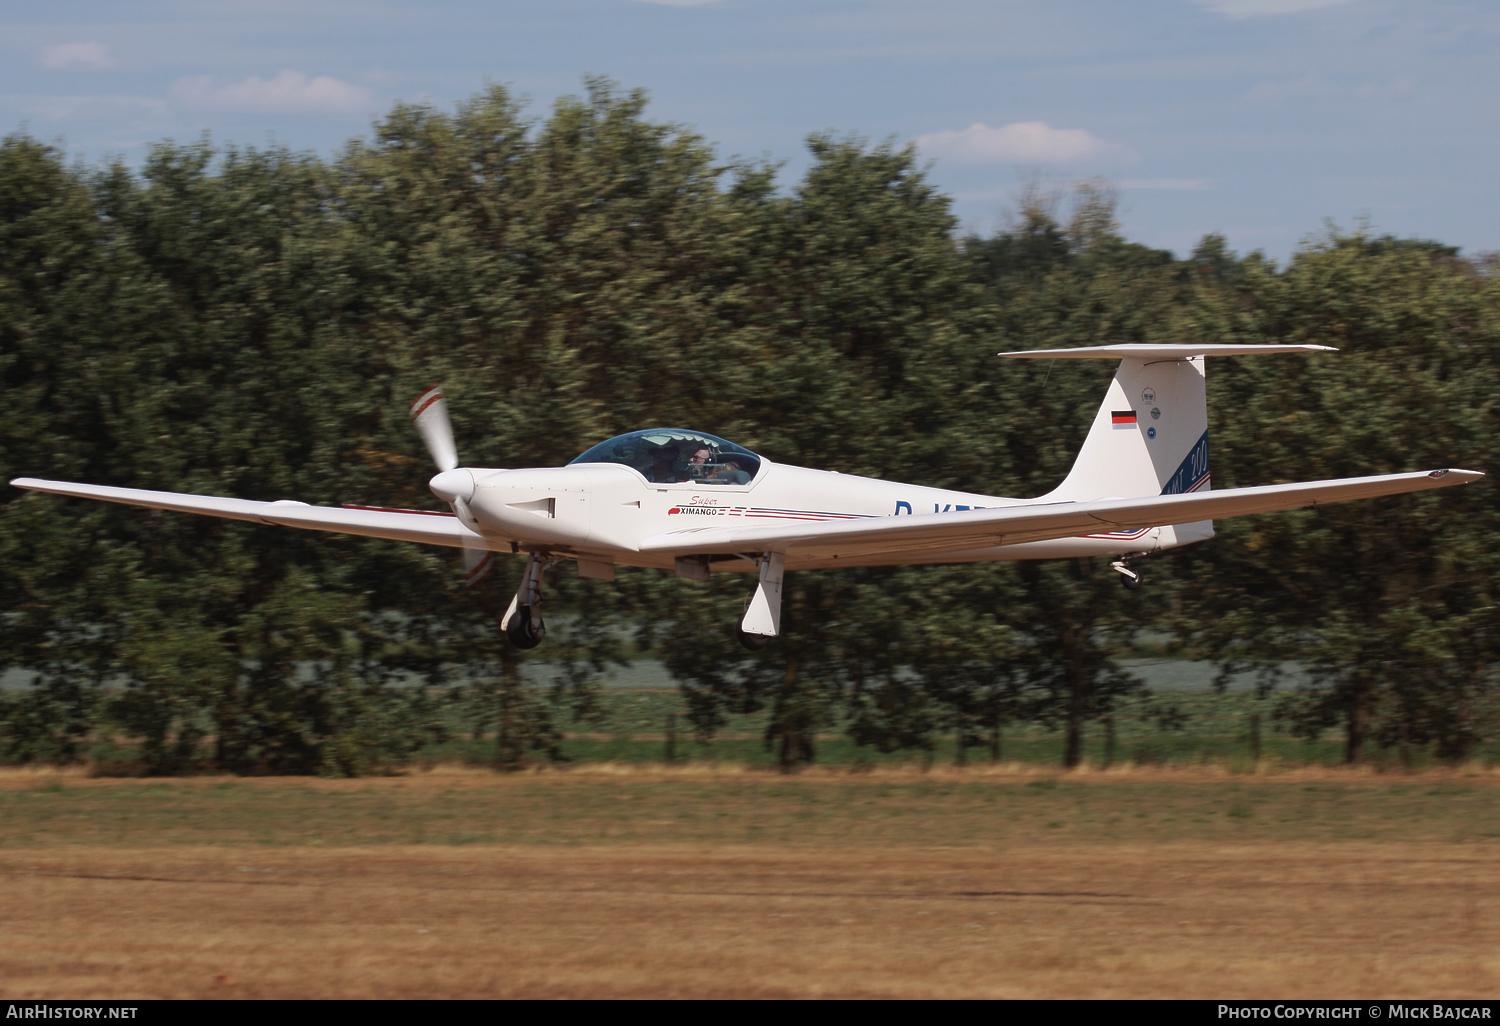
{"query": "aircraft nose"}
(453, 485)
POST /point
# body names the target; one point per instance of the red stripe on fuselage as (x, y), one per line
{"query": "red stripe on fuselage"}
(758, 513)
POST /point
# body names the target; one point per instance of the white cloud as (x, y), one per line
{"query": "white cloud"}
(1022, 142)
(75, 55)
(1257, 8)
(1169, 184)
(290, 92)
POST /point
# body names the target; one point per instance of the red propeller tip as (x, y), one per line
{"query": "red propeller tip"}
(425, 400)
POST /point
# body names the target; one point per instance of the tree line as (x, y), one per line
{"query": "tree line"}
(253, 323)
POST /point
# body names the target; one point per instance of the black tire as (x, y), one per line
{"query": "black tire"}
(1133, 584)
(520, 632)
(754, 642)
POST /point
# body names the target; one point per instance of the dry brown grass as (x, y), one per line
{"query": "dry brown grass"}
(1186, 919)
(1181, 772)
(696, 883)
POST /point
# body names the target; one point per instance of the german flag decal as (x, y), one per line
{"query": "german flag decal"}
(1123, 417)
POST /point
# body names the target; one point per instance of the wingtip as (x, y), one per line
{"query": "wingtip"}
(1454, 475)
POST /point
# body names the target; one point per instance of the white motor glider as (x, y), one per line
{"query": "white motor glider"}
(694, 503)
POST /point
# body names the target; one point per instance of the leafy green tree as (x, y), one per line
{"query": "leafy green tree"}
(1387, 604)
(957, 663)
(243, 322)
(858, 299)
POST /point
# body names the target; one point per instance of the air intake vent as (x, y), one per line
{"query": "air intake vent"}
(541, 507)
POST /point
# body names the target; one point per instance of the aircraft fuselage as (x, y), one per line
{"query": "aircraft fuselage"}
(602, 512)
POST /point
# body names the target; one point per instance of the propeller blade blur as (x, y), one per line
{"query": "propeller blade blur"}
(430, 415)
(477, 565)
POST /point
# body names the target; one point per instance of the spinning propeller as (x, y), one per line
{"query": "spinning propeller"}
(454, 486)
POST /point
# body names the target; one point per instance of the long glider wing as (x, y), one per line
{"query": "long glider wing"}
(429, 528)
(1142, 351)
(1008, 525)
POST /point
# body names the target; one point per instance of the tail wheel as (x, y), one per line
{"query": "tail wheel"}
(520, 632)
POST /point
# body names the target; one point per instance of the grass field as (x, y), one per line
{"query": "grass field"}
(633, 724)
(701, 880)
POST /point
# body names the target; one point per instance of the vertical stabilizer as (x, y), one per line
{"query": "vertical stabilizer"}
(1150, 435)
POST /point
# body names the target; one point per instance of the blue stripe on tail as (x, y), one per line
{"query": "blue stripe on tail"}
(1193, 471)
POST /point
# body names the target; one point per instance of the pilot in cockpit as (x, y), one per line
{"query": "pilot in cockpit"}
(700, 463)
(663, 469)
(704, 465)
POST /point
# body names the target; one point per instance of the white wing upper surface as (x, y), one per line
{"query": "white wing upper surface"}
(918, 535)
(429, 528)
(1010, 525)
(1142, 351)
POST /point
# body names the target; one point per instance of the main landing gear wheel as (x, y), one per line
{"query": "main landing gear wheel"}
(754, 642)
(1130, 577)
(522, 622)
(520, 630)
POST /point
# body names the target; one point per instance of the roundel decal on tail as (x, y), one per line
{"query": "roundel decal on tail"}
(1148, 396)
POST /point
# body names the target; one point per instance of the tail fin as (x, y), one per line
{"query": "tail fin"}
(1150, 436)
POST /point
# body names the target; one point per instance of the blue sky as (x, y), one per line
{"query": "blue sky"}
(1256, 118)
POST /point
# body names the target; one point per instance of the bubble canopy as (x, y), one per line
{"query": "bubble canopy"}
(677, 456)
